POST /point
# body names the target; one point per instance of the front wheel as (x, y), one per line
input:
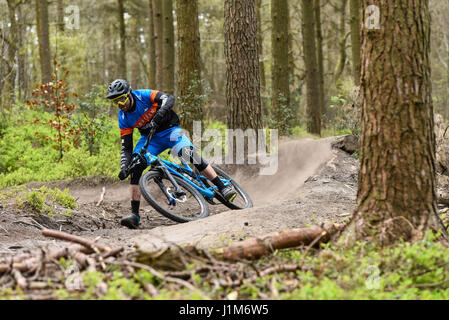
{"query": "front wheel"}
(242, 199)
(159, 192)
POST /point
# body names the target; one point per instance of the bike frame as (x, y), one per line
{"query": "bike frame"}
(174, 169)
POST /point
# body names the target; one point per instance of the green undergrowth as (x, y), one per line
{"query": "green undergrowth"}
(27, 154)
(42, 201)
(363, 271)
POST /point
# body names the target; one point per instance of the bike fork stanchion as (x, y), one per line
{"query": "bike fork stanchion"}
(167, 173)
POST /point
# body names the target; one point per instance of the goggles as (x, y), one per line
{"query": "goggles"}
(120, 100)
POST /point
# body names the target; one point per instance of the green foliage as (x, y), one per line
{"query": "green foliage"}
(42, 200)
(92, 121)
(191, 104)
(53, 97)
(28, 156)
(344, 111)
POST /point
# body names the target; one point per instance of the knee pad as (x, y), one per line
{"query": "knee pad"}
(189, 154)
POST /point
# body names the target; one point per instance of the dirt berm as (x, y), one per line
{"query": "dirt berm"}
(314, 182)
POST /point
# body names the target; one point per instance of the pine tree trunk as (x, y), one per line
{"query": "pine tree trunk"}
(355, 39)
(135, 63)
(260, 45)
(396, 189)
(60, 9)
(122, 31)
(242, 65)
(311, 65)
(319, 51)
(108, 53)
(342, 44)
(21, 60)
(44, 39)
(168, 60)
(280, 92)
(151, 47)
(158, 39)
(189, 63)
(7, 97)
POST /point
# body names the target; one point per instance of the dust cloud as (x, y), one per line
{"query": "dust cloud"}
(297, 160)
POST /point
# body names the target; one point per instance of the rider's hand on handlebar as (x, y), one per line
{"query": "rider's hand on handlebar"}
(138, 164)
(123, 174)
(157, 119)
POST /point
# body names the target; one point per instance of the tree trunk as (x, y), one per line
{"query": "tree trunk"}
(242, 65)
(44, 39)
(396, 189)
(135, 63)
(342, 44)
(7, 97)
(189, 63)
(151, 47)
(21, 59)
(122, 31)
(108, 53)
(310, 61)
(280, 92)
(60, 9)
(168, 60)
(319, 55)
(260, 45)
(355, 39)
(158, 36)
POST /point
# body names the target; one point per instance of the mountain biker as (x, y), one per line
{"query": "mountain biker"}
(144, 110)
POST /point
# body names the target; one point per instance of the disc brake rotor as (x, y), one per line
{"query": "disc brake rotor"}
(184, 198)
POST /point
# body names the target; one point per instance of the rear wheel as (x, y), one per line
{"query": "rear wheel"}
(158, 191)
(241, 200)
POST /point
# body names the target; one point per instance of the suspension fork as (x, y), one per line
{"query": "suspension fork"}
(178, 192)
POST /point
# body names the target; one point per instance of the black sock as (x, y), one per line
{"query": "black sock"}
(135, 204)
(218, 183)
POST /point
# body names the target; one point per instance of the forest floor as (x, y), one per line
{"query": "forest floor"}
(316, 181)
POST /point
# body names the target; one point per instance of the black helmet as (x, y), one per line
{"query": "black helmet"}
(117, 88)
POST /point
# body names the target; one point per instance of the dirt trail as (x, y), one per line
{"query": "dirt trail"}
(314, 182)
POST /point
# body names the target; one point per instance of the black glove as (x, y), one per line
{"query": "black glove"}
(123, 174)
(158, 118)
(139, 163)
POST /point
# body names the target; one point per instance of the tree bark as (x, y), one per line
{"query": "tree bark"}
(168, 60)
(60, 9)
(310, 61)
(342, 44)
(7, 97)
(355, 39)
(21, 59)
(189, 63)
(43, 39)
(151, 47)
(135, 63)
(242, 65)
(158, 36)
(319, 55)
(280, 92)
(396, 187)
(260, 45)
(122, 31)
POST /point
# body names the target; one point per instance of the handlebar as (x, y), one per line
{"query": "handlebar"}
(142, 152)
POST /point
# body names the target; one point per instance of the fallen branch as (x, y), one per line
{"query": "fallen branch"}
(75, 239)
(257, 247)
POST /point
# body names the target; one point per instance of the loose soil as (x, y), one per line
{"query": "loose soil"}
(314, 182)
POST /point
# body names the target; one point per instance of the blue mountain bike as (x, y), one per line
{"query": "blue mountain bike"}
(180, 193)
